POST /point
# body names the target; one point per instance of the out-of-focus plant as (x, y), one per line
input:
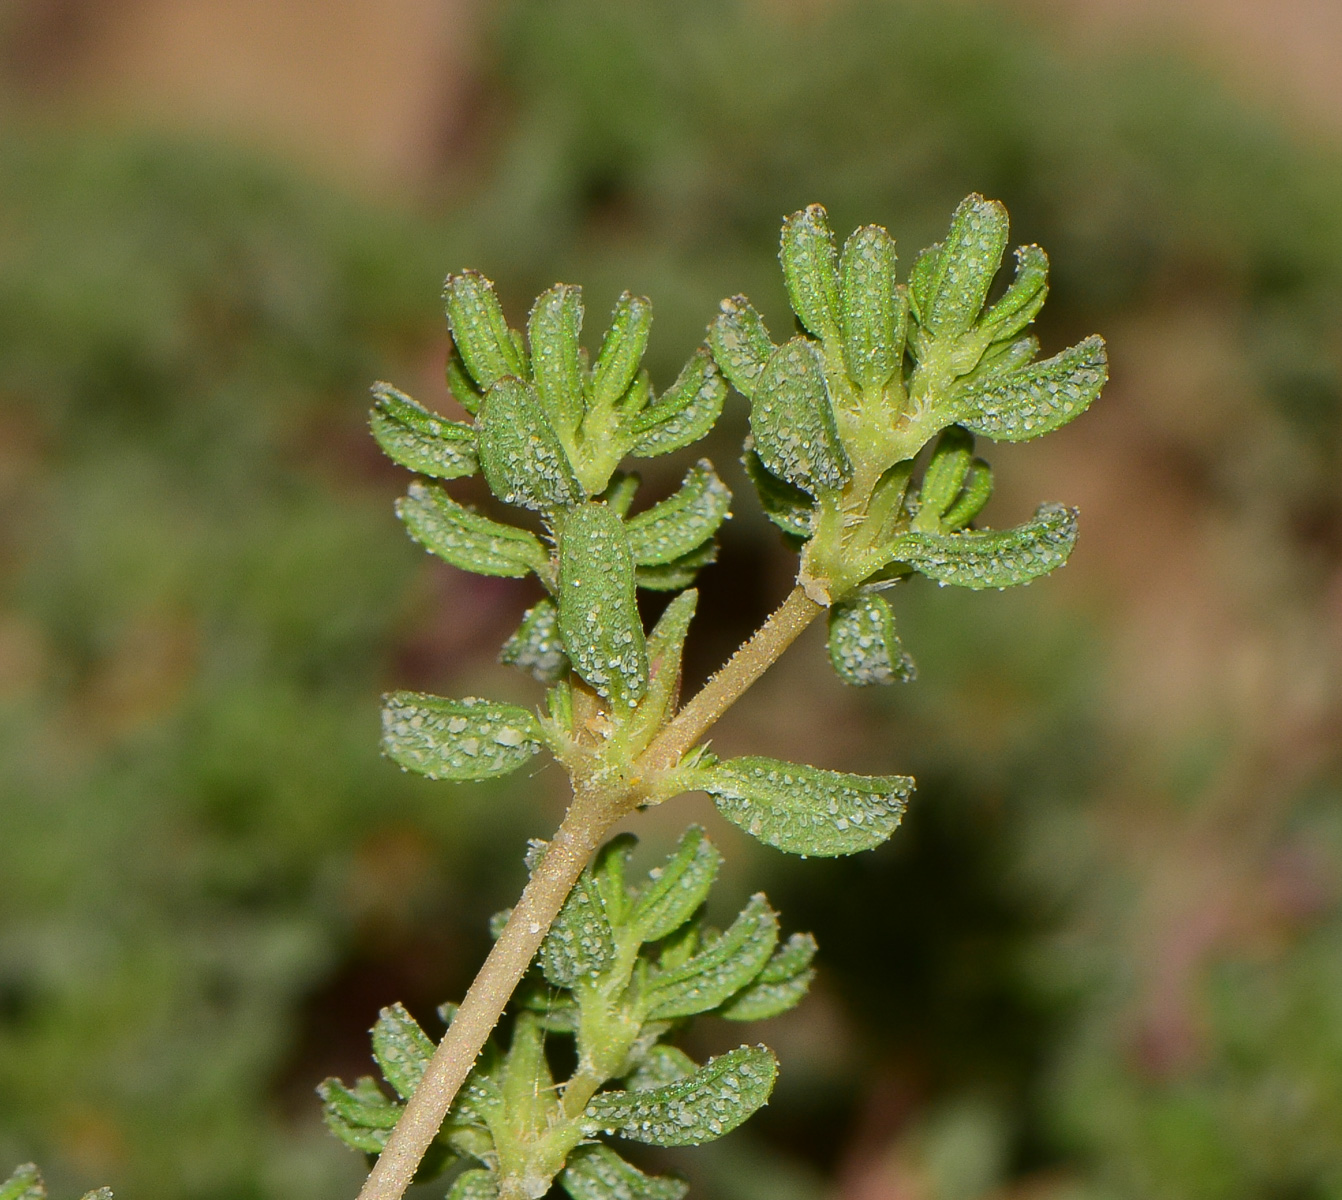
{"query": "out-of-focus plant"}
(839, 418)
(26, 1184)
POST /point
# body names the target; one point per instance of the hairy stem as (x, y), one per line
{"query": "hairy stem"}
(756, 656)
(587, 821)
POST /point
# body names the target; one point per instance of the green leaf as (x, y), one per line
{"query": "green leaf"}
(553, 330)
(788, 507)
(806, 810)
(677, 888)
(666, 644)
(465, 538)
(810, 266)
(681, 522)
(402, 1049)
(974, 495)
(922, 279)
(480, 330)
(1002, 359)
(992, 558)
(361, 1117)
(782, 983)
(1036, 400)
(686, 411)
(25, 1184)
(622, 351)
(662, 1064)
(792, 421)
(713, 1101)
(580, 942)
(875, 311)
(598, 615)
(1021, 302)
(620, 491)
(863, 646)
(457, 739)
(535, 647)
(416, 438)
(460, 384)
(964, 267)
(720, 969)
(946, 471)
(520, 452)
(608, 870)
(596, 1172)
(478, 1183)
(741, 344)
(679, 572)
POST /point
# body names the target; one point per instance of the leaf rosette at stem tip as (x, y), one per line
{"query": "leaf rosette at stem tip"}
(840, 415)
(551, 424)
(626, 963)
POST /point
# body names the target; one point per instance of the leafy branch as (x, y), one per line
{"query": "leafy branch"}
(622, 968)
(839, 416)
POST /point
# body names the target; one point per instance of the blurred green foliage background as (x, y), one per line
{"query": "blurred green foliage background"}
(1104, 956)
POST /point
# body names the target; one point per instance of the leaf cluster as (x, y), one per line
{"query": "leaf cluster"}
(841, 414)
(624, 966)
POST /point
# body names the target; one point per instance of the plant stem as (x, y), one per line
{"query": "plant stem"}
(756, 656)
(587, 821)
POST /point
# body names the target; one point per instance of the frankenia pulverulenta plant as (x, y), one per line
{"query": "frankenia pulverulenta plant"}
(862, 451)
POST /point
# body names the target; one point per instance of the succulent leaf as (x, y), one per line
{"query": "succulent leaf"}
(719, 970)
(457, 739)
(554, 330)
(782, 983)
(361, 1116)
(622, 351)
(679, 572)
(810, 267)
(740, 343)
(945, 474)
(460, 383)
(681, 522)
(974, 495)
(416, 438)
(680, 885)
(964, 267)
(598, 615)
(1035, 400)
(580, 942)
(465, 538)
(478, 1183)
(523, 459)
(804, 809)
(874, 310)
(992, 558)
(596, 1172)
(402, 1049)
(788, 507)
(1021, 302)
(535, 646)
(863, 645)
(662, 1064)
(792, 422)
(480, 330)
(711, 1102)
(682, 414)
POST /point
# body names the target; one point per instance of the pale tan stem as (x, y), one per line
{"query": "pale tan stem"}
(756, 656)
(587, 821)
